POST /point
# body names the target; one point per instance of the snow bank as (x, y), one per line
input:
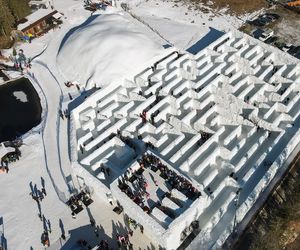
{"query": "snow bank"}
(105, 49)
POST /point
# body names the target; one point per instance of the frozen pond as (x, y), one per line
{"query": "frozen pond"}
(20, 108)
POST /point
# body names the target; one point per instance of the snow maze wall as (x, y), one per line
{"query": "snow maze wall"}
(227, 117)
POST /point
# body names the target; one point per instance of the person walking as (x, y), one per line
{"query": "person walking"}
(44, 191)
(61, 114)
(93, 223)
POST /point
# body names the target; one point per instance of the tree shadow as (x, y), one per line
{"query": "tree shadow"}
(3, 240)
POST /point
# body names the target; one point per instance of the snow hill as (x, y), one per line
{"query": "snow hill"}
(104, 43)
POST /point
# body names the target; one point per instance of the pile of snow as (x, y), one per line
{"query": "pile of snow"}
(104, 50)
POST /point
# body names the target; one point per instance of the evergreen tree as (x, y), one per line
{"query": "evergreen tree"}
(6, 19)
(19, 8)
(14, 51)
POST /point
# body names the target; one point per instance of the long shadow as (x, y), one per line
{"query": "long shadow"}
(71, 31)
(152, 247)
(3, 240)
(92, 220)
(31, 187)
(74, 104)
(210, 37)
(42, 182)
(45, 224)
(62, 227)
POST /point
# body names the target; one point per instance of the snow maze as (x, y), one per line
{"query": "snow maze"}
(227, 118)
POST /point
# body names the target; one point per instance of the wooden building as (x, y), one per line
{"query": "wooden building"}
(40, 22)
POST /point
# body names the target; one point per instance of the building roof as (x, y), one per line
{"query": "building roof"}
(36, 17)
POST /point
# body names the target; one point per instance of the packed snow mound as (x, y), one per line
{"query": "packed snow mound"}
(104, 50)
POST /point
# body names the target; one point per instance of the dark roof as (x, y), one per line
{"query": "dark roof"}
(39, 20)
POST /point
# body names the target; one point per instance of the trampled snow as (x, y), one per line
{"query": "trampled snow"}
(104, 49)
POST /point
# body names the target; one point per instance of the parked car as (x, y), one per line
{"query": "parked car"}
(271, 40)
(273, 16)
(266, 34)
(286, 47)
(264, 19)
(256, 33)
(294, 50)
(256, 22)
(279, 44)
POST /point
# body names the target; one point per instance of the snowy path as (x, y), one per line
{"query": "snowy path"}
(56, 148)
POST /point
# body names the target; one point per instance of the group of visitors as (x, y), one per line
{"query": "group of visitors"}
(141, 194)
(204, 136)
(102, 245)
(38, 195)
(124, 242)
(75, 202)
(8, 158)
(64, 114)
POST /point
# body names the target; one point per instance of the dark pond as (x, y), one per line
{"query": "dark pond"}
(20, 109)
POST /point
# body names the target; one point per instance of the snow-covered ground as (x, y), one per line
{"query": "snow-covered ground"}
(45, 152)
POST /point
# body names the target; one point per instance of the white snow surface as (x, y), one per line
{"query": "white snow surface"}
(104, 49)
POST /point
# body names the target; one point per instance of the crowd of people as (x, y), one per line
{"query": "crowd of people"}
(140, 195)
(172, 178)
(124, 242)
